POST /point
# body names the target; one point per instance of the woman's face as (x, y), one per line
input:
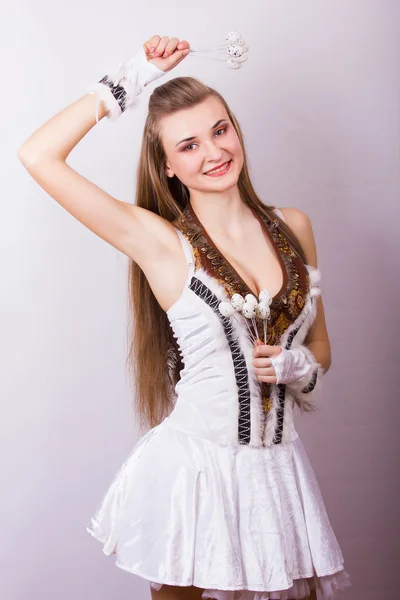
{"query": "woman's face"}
(212, 142)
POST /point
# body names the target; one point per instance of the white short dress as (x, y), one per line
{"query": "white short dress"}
(209, 497)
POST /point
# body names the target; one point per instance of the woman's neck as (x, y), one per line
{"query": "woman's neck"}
(221, 214)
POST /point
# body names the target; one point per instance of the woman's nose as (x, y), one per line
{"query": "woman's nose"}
(212, 151)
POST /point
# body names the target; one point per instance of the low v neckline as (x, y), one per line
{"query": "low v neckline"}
(265, 228)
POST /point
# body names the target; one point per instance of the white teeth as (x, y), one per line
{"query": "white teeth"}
(218, 170)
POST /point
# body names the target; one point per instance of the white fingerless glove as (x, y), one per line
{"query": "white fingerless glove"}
(296, 367)
(119, 92)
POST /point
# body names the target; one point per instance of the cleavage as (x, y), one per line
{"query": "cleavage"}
(255, 271)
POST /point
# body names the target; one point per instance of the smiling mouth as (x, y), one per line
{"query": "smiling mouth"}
(222, 169)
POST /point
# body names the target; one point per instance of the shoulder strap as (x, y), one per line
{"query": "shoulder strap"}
(280, 214)
(186, 249)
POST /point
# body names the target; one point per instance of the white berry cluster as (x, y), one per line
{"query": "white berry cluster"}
(250, 308)
(237, 49)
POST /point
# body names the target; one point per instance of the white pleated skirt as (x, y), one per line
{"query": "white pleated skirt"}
(240, 522)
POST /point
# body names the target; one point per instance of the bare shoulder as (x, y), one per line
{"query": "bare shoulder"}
(301, 225)
(297, 219)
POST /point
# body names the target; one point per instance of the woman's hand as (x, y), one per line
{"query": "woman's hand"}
(263, 368)
(164, 52)
(274, 364)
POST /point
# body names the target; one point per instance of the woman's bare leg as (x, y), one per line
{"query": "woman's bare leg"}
(313, 595)
(192, 593)
(173, 592)
(166, 592)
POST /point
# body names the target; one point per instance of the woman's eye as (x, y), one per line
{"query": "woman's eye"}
(190, 145)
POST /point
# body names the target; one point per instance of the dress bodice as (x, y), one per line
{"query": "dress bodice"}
(218, 395)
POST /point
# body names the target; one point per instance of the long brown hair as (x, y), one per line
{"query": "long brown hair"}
(153, 358)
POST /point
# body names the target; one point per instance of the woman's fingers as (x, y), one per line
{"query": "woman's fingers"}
(162, 44)
(164, 47)
(261, 363)
(264, 370)
(266, 350)
(152, 44)
(175, 58)
(171, 47)
(269, 371)
(165, 52)
(183, 45)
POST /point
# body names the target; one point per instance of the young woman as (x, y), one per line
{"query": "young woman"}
(218, 498)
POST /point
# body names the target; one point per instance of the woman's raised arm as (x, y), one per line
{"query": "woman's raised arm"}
(44, 157)
(125, 226)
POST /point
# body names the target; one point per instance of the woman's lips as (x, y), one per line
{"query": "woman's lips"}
(222, 172)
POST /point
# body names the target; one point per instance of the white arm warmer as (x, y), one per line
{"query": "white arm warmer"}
(133, 75)
(296, 367)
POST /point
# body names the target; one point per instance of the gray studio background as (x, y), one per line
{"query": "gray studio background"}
(318, 101)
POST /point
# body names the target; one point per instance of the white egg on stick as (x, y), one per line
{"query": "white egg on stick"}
(237, 302)
(234, 50)
(227, 310)
(251, 299)
(265, 296)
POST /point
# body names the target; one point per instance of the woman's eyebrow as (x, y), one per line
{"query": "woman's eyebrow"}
(189, 139)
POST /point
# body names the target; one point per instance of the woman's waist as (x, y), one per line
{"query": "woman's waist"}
(221, 418)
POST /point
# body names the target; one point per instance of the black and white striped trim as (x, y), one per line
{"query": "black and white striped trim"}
(309, 387)
(282, 392)
(117, 91)
(239, 361)
(280, 413)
